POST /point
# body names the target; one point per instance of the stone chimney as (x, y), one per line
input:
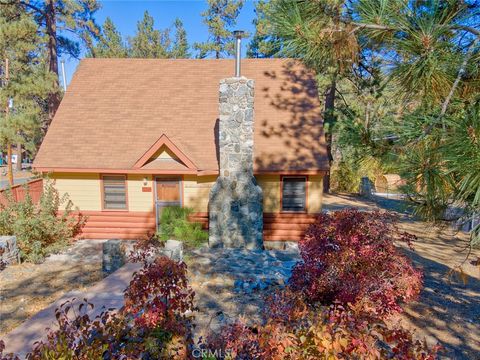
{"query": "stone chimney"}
(236, 201)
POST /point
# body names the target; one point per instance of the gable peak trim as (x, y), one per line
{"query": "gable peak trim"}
(164, 141)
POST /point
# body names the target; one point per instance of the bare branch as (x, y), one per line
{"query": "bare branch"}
(467, 28)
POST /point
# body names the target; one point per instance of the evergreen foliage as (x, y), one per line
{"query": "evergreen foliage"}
(398, 76)
(264, 43)
(149, 42)
(180, 48)
(55, 18)
(110, 43)
(29, 82)
(220, 18)
(175, 224)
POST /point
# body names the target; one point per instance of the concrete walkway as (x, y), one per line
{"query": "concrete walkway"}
(108, 293)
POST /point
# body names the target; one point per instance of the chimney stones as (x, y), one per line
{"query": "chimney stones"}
(235, 207)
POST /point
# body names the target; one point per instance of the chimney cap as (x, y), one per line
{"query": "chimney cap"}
(239, 34)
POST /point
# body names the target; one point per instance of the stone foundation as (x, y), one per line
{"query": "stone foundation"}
(236, 201)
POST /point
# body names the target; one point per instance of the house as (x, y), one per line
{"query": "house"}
(134, 135)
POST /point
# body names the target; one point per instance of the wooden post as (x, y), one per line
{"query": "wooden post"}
(9, 146)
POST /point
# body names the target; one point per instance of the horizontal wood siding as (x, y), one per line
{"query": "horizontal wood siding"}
(138, 225)
(118, 225)
(276, 227)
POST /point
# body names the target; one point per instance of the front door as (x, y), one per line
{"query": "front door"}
(167, 193)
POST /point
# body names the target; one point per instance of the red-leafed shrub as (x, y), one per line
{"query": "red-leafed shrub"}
(152, 325)
(326, 332)
(159, 296)
(350, 257)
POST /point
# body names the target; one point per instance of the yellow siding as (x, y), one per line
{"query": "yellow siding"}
(196, 192)
(83, 189)
(137, 199)
(270, 185)
(315, 193)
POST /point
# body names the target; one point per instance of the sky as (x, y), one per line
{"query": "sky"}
(126, 13)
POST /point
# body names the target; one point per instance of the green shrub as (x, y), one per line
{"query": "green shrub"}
(39, 228)
(344, 178)
(174, 224)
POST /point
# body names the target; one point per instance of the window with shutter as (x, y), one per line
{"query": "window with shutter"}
(114, 192)
(294, 195)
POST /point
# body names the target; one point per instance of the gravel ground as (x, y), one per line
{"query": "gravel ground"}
(28, 288)
(230, 283)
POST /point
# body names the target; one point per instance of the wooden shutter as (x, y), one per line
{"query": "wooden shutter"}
(294, 196)
(114, 192)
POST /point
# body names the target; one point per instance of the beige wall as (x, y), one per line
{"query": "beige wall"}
(137, 199)
(315, 193)
(196, 191)
(84, 191)
(270, 185)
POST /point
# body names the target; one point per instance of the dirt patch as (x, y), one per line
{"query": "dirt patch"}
(27, 288)
(448, 310)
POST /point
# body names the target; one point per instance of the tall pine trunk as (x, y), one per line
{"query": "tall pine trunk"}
(7, 113)
(329, 118)
(51, 26)
(9, 164)
(19, 156)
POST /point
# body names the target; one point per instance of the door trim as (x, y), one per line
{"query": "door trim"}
(179, 179)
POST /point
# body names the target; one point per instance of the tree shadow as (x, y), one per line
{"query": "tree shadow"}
(447, 310)
(295, 139)
(17, 297)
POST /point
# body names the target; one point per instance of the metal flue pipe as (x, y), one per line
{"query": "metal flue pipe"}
(238, 34)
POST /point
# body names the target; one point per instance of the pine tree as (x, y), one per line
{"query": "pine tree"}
(53, 16)
(149, 42)
(110, 43)
(263, 44)
(180, 47)
(220, 18)
(25, 82)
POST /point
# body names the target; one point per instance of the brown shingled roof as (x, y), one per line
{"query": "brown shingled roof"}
(115, 110)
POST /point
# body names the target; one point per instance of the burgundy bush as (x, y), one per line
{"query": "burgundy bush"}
(294, 331)
(154, 323)
(159, 296)
(350, 257)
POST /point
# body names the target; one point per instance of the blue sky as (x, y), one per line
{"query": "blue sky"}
(126, 13)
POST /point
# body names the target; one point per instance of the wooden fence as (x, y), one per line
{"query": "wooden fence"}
(34, 188)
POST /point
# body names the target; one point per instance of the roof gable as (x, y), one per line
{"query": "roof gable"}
(164, 146)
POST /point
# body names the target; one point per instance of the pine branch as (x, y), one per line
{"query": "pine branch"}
(461, 72)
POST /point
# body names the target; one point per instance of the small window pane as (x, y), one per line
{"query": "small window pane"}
(294, 194)
(114, 192)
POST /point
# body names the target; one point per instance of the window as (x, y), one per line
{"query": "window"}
(294, 193)
(114, 192)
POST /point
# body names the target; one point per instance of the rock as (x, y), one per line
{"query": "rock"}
(113, 256)
(174, 250)
(10, 253)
